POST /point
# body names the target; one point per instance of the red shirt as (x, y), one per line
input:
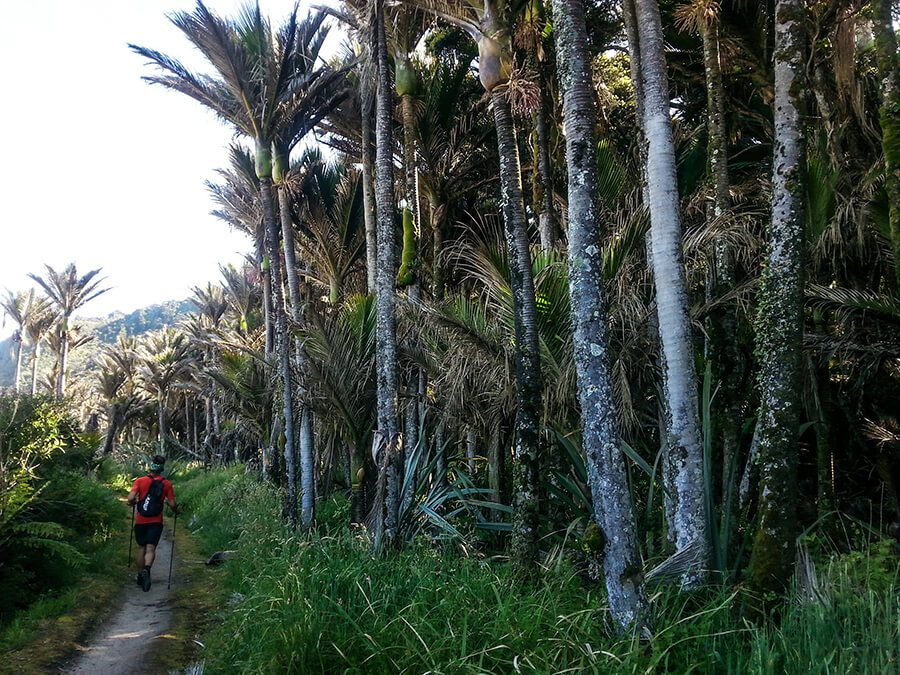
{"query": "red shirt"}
(141, 485)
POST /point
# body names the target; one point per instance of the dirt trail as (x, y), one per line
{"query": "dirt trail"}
(119, 646)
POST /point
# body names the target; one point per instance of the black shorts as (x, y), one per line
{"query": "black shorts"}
(147, 533)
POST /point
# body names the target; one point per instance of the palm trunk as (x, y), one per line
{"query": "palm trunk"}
(605, 465)
(527, 354)
(437, 240)
(780, 320)
(17, 376)
(34, 366)
(386, 323)
(282, 349)
(721, 326)
(368, 191)
(357, 485)
(684, 452)
(63, 360)
(267, 306)
(543, 193)
(629, 16)
(306, 447)
(495, 465)
(290, 256)
(109, 443)
(162, 422)
(308, 466)
(889, 115)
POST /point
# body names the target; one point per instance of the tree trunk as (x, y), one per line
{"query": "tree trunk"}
(17, 337)
(112, 430)
(889, 116)
(307, 465)
(266, 270)
(721, 325)
(495, 465)
(527, 354)
(779, 331)
(290, 256)
(34, 366)
(282, 349)
(368, 190)
(470, 449)
(605, 464)
(543, 181)
(386, 323)
(684, 452)
(161, 400)
(629, 16)
(63, 359)
(437, 240)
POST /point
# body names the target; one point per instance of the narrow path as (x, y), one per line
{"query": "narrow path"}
(120, 645)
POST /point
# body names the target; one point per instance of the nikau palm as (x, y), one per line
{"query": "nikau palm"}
(19, 308)
(780, 319)
(68, 292)
(683, 450)
(486, 23)
(269, 90)
(605, 463)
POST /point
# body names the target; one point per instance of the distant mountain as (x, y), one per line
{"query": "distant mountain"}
(106, 330)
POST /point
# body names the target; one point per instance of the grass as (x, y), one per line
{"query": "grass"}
(193, 603)
(319, 602)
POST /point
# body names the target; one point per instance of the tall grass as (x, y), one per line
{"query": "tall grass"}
(319, 602)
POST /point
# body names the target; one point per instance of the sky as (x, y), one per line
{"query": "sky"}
(100, 168)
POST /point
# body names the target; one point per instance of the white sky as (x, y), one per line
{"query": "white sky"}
(101, 168)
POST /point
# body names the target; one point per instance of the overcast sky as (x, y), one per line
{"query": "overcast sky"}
(101, 168)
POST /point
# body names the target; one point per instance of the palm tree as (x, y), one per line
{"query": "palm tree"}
(330, 216)
(266, 84)
(345, 343)
(389, 454)
(683, 451)
(239, 203)
(779, 326)
(40, 321)
(19, 308)
(116, 383)
(486, 22)
(163, 358)
(605, 463)
(68, 292)
(242, 295)
(454, 140)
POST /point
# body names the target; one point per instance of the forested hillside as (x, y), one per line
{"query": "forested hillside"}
(105, 331)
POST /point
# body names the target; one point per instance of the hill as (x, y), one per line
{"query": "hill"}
(105, 330)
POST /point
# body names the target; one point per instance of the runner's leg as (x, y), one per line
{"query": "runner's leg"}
(149, 555)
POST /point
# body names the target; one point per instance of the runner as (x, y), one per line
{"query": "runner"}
(149, 517)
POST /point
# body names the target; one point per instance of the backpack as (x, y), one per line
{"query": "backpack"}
(152, 503)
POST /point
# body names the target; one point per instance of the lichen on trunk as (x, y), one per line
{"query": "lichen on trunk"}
(779, 325)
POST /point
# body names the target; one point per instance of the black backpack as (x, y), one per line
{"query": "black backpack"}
(152, 503)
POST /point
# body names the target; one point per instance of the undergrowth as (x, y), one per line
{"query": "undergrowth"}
(319, 602)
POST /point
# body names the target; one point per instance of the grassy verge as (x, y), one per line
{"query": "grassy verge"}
(319, 602)
(193, 601)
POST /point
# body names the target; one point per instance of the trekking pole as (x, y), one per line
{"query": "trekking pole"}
(131, 534)
(172, 552)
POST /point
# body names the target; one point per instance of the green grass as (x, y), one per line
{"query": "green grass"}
(319, 602)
